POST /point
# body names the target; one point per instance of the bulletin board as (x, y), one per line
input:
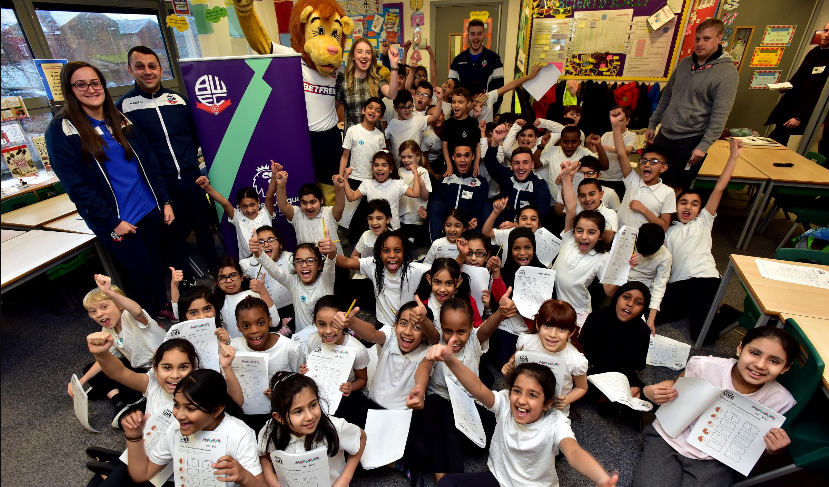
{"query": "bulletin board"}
(377, 27)
(606, 39)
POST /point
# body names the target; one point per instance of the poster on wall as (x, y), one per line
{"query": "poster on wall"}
(19, 161)
(249, 110)
(762, 78)
(49, 71)
(388, 26)
(703, 9)
(550, 40)
(766, 57)
(739, 43)
(778, 35)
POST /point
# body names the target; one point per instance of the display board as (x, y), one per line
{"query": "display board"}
(377, 27)
(606, 39)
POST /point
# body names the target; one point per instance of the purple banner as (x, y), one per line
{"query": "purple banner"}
(249, 110)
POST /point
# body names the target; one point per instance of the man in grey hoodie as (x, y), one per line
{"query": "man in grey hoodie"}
(695, 105)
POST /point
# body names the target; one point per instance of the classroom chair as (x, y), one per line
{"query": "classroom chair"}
(46, 193)
(803, 255)
(814, 156)
(69, 292)
(817, 214)
(805, 423)
(18, 202)
(59, 188)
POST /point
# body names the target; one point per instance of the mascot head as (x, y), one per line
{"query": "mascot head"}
(318, 32)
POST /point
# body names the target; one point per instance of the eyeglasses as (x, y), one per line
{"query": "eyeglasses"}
(83, 85)
(479, 253)
(229, 278)
(422, 95)
(650, 162)
(309, 262)
(407, 108)
(269, 241)
(420, 76)
(589, 174)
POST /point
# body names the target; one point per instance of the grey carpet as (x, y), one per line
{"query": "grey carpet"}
(43, 443)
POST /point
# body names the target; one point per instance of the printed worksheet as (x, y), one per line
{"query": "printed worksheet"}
(617, 268)
(386, 434)
(666, 352)
(693, 396)
(306, 469)
(547, 246)
(533, 286)
(449, 251)
(202, 334)
(81, 403)
(478, 282)
(795, 274)
(616, 387)
(251, 368)
(193, 456)
(154, 430)
(301, 338)
(602, 30)
(732, 429)
(557, 365)
(514, 325)
(329, 366)
(467, 419)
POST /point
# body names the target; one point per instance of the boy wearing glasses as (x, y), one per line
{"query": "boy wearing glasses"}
(591, 170)
(647, 199)
(270, 239)
(613, 175)
(408, 125)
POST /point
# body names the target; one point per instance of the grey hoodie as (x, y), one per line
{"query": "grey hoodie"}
(697, 101)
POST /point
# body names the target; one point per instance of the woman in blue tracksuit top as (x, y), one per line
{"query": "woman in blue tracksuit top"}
(111, 174)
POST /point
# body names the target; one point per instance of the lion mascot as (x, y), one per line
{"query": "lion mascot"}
(319, 29)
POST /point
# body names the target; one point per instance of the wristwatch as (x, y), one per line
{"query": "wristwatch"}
(168, 202)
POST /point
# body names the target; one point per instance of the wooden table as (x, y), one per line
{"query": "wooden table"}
(818, 332)
(36, 251)
(772, 297)
(804, 174)
(72, 223)
(10, 189)
(9, 234)
(744, 172)
(39, 214)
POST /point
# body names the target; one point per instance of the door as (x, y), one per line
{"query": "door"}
(448, 42)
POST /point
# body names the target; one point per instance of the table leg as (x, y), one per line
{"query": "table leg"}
(763, 320)
(759, 214)
(751, 212)
(109, 267)
(715, 305)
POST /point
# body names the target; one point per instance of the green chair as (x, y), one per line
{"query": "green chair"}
(814, 156)
(46, 193)
(59, 188)
(815, 214)
(806, 422)
(18, 202)
(803, 255)
(60, 270)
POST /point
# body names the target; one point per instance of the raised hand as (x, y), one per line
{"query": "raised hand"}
(499, 132)
(326, 246)
(104, 282)
(473, 224)
(419, 311)
(202, 182)
(340, 321)
(394, 57)
(416, 398)
(617, 117)
(338, 180)
(347, 172)
(384, 47)
(222, 335)
(441, 353)
(226, 355)
(535, 70)
(521, 122)
(133, 423)
(499, 205)
(178, 276)
(507, 225)
(254, 246)
(507, 305)
(345, 388)
(494, 263)
(486, 298)
(545, 139)
(99, 342)
(482, 127)
(592, 141)
(736, 147)
(463, 246)
(508, 367)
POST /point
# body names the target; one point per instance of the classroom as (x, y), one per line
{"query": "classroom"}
(486, 243)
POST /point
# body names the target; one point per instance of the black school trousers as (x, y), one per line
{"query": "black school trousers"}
(690, 298)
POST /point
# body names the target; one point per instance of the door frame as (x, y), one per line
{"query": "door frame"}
(476, 5)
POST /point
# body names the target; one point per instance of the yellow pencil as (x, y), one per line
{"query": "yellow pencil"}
(634, 245)
(350, 308)
(499, 249)
(323, 227)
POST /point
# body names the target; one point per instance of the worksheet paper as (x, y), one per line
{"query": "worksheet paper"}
(666, 352)
(81, 402)
(546, 78)
(301, 338)
(616, 387)
(329, 366)
(306, 469)
(467, 419)
(795, 274)
(478, 283)
(386, 434)
(648, 49)
(154, 430)
(251, 369)
(617, 268)
(547, 246)
(193, 456)
(602, 30)
(533, 286)
(729, 426)
(202, 334)
(557, 365)
(449, 251)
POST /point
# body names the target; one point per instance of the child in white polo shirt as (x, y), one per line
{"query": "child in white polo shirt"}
(613, 175)
(646, 200)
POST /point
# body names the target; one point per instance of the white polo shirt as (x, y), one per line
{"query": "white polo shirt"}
(395, 374)
(575, 271)
(469, 355)
(305, 297)
(365, 246)
(614, 172)
(245, 226)
(392, 298)
(363, 144)
(390, 190)
(279, 294)
(524, 455)
(285, 354)
(653, 271)
(309, 230)
(690, 246)
(361, 358)
(551, 161)
(136, 342)
(399, 131)
(659, 198)
(408, 205)
(157, 397)
(575, 360)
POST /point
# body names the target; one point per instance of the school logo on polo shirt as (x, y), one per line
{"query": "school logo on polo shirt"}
(212, 94)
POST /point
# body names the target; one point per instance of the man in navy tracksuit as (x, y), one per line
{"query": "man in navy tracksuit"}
(520, 185)
(477, 63)
(165, 120)
(460, 190)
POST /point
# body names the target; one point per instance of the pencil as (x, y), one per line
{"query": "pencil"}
(260, 270)
(499, 249)
(323, 227)
(350, 308)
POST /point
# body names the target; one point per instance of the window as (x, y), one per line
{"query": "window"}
(19, 74)
(187, 42)
(103, 40)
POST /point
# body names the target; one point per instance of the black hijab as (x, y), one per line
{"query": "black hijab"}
(510, 266)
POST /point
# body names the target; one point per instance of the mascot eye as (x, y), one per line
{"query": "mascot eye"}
(335, 34)
(320, 31)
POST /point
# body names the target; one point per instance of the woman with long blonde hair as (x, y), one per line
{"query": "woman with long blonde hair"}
(362, 80)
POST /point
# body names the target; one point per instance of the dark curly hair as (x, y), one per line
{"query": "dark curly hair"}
(378, 262)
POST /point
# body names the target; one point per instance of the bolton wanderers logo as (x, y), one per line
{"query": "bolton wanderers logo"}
(171, 99)
(261, 180)
(212, 94)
